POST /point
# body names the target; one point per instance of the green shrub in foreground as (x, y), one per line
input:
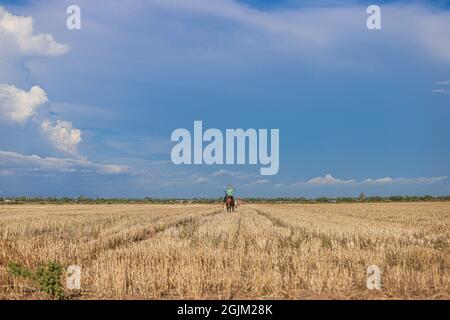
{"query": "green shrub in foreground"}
(47, 277)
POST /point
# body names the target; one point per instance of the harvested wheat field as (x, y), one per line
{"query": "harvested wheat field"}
(274, 251)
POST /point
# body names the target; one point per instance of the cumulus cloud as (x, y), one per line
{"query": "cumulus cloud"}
(379, 182)
(18, 105)
(63, 135)
(13, 163)
(17, 34)
(328, 179)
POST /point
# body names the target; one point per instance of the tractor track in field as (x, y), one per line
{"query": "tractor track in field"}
(235, 245)
(275, 221)
(149, 233)
(238, 230)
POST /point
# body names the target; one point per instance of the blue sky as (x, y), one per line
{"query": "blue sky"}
(358, 110)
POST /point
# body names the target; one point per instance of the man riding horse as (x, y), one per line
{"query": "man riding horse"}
(229, 198)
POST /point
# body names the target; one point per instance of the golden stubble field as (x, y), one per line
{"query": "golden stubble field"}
(275, 251)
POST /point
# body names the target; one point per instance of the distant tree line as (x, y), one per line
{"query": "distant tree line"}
(86, 200)
(359, 199)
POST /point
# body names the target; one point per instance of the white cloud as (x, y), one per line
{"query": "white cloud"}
(226, 173)
(63, 135)
(235, 174)
(421, 180)
(12, 162)
(261, 181)
(202, 180)
(17, 34)
(380, 181)
(321, 29)
(416, 181)
(444, 91)
(433, 31)
(328, 180)
(17, 105)
(5, 173)
(297, 24)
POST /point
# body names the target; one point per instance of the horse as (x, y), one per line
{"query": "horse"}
(229, 202)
